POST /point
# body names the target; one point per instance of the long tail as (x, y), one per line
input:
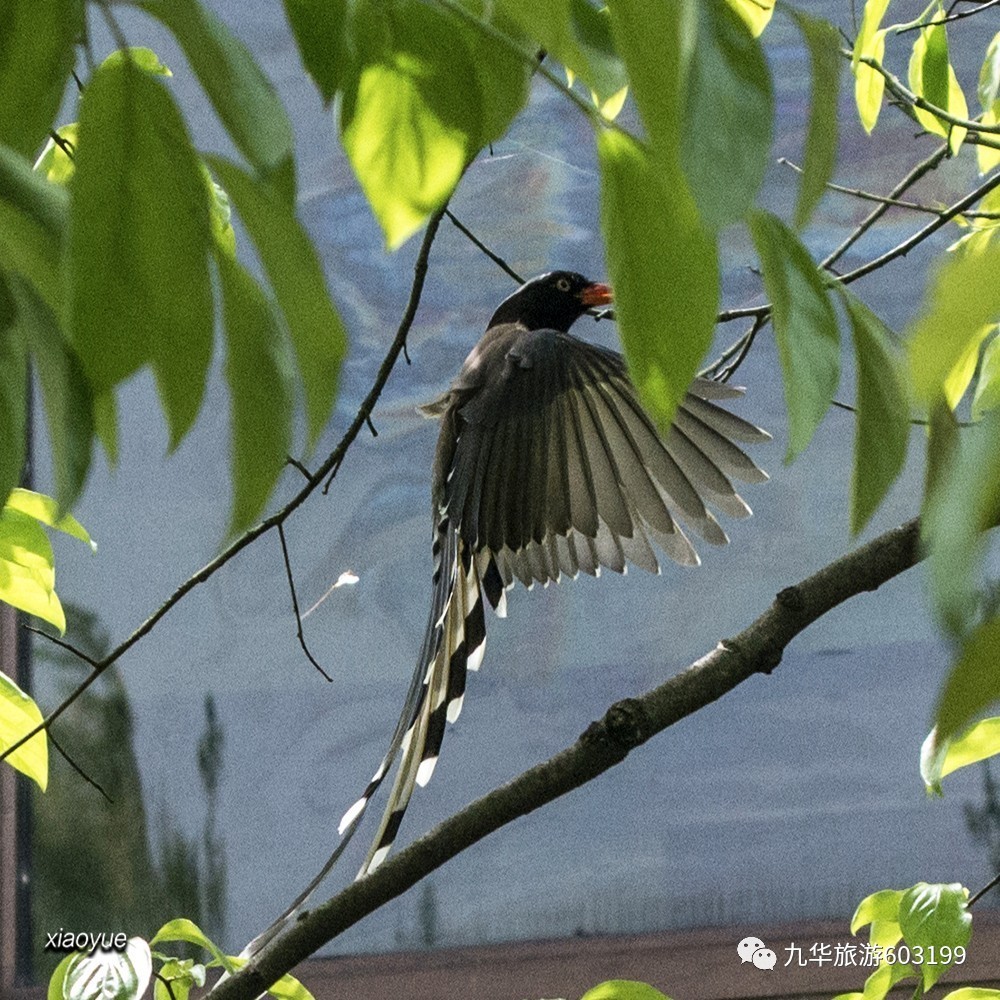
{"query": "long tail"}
(454, 643)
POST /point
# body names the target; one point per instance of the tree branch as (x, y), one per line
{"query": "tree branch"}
(626, 725)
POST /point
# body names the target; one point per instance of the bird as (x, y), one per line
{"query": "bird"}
(546, 466)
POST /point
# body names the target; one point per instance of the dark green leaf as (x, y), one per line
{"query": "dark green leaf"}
(242, 96)
(804, 324)
(320, 29)
(934, 66)
(296, 276)
(727, 119)
(32, 222)
(821, 137)
(575, 33)
(935, 916)
(139, 239)
(882, 428)
(962, 501)
(649, 38)
(663, 266)
(36, 56)
(973, 683)
(13, 393)
(66, 394)
(260, 392)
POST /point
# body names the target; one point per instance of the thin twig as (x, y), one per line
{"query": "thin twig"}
(625, 726)
(328, 467)
(79, 770)
(992, 884)
(295, 603)
(949, 17)
(477, 242)
(296, 464)
(62, 643)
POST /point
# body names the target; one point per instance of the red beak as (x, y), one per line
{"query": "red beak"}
(597, 294)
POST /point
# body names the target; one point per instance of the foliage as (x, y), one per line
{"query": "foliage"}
(90, 295)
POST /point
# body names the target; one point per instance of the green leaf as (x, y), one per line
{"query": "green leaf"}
(146, 59)
(181, 975)
(972, 993)
(869, 84)
(66, 394)
(662, 264)
(19, 715)
(882, 429)
(623, 989)
(27, 571)
(989, 75)
(973, 683)
(935, 916)
(933, 78)
(182, 929)
(821, 137)
(963, 501)
(44, 509)
(756, 13)
(882, 980)
(296, 276)
(36, 56)
(55, 164)
(421, 99)
(727, 118)
(13, 399)
(805, 326)
(140, 197)
(242, 96)
(57, 982)
(109, 975)
(32, 221)
(979, 742)
(577, 34)
(881, 910)
(962, 298)
(260, 390)
(987, 394)
(320, 29)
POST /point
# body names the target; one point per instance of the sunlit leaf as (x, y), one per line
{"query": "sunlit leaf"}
(176, 978)
(938, 758)
(33, 217)
(45, 510)
(242, 96)
(756, 13)
(963, 296)
(881, 910)
(146, 297)
(414, 111)
(988, 157)
(56, 163)
(27, 573)
(821, 137)
(987, 394)
(663, 264)
(320, 29)
(260, 390)
(146, 59)
(869, 84)
(933, 78)
(183, 929)
(19, 715)
(623, 989)
(296, 277)
(612, 107)
(972, 993)
(882, 425)
(805, 327)
(577, 34)
(727, 118)
(935, 916)
(37, 52)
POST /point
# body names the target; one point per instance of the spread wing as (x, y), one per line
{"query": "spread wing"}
(556, 467)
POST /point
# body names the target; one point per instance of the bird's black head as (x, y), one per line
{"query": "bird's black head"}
(552, 301)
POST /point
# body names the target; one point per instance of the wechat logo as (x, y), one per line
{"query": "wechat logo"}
(752, 949)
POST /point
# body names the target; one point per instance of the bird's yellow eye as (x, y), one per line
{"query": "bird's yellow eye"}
(563, 284)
